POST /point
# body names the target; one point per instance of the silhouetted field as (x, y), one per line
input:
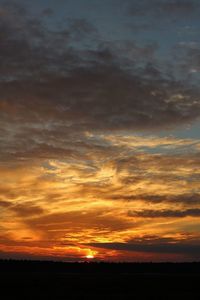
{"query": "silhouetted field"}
(55, 280)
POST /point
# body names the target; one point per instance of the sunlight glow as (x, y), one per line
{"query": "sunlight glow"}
(89, 256)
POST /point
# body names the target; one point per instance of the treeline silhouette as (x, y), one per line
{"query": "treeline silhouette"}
(98, 280)
(88, 266)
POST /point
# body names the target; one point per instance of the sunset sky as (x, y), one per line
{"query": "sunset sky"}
(100, 130)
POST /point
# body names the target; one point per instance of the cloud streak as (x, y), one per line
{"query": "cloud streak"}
(184, 249)
(165, 213)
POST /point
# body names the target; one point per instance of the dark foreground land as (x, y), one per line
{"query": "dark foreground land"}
(54, 280)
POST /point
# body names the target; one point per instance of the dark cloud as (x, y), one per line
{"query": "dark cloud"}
(117, 100)
(167, 213)
(46, 79)
(166, 8)
(27, 209)
(80, 28)
(167, 248)
(179, 6)
(187, 199)
(158, 15)
(4, 204)
(187, 57)
(47, 12)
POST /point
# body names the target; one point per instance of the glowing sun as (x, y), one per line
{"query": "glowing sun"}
(89, 256)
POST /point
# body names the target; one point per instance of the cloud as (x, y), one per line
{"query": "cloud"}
(23, 210)
(54, 90)
(188, 199)
(80, 28)
(148, 213)
(183, 7)
(4, 204)
(41, 70)
(159, 15)
(164, 8)
(167, 248)
(80, 118)
(79, 220)
(187, 57)
(27, 210)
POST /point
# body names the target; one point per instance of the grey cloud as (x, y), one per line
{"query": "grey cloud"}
(47, 82)
(183, 7)
(107, 99)
(167, 213)
(167, 248)
(82, 28)
(187, 199)
(187, 57)
(157, 15)
(46, 70)
(47, 12)
(166, 8)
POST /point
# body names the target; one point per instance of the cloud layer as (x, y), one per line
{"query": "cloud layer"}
(84, 167)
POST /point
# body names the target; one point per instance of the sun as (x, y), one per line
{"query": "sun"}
(89, 256)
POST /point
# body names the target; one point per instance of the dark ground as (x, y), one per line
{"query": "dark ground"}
(52, 280)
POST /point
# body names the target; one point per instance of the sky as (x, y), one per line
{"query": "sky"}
(100, 130)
